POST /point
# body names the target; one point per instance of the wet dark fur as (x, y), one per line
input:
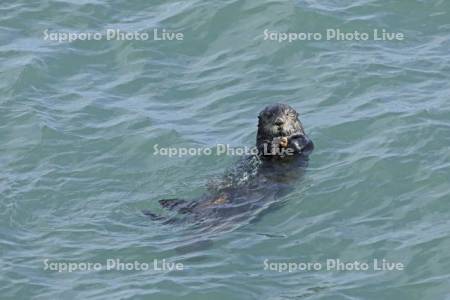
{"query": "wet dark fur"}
(281, 120)
(256, 181)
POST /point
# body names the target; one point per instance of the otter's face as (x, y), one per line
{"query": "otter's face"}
(281, 120)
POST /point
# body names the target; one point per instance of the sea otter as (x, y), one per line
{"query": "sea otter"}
(282, 153)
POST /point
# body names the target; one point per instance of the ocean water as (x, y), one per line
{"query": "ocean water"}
(79, 121)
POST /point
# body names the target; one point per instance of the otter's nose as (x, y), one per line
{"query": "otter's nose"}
(279, 121)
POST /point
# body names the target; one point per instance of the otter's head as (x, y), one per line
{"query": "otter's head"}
(280, 121)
